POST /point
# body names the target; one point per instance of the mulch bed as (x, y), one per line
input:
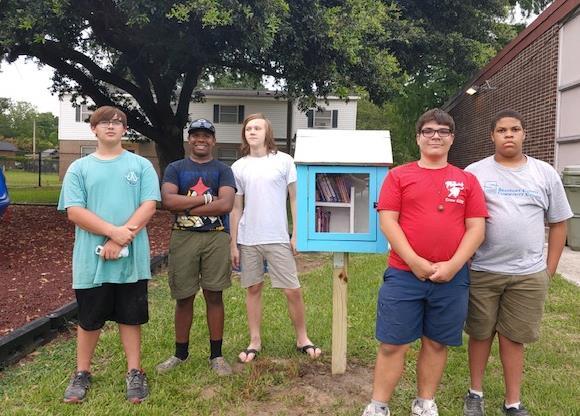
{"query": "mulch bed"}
(35, 261)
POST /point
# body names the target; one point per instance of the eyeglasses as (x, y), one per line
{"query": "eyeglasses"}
(443, 133)
(106, 123)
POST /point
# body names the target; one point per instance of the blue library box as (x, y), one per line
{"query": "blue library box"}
(340, 173)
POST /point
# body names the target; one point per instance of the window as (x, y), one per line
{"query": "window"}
(322, 118)
(87, 150)
(227, 155)
(233, 114)
(82, 113)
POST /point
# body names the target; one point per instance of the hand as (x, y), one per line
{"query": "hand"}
(444, 272)
(293, 244)
(551, 272)
(235, 256)
(123, 235)
(422, 268)
(111, 250)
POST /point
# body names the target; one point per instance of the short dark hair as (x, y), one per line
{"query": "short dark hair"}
(107, 112)
(506, 114)
(437, 115)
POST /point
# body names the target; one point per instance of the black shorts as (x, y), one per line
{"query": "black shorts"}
(124, 303)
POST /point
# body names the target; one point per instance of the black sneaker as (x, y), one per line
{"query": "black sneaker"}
(77, 387)
(473, 405)
(512, 411)
(137, 388)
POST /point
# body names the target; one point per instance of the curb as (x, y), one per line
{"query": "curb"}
(24, 340)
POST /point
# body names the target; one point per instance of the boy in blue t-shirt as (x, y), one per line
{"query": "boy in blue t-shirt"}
(110, 195)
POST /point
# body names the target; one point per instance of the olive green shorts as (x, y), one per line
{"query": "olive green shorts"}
(511, 305)
(198, 260)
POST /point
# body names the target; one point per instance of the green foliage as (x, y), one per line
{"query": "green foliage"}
(17, 121)
(154, 52)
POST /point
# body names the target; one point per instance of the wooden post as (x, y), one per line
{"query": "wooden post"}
(339, 312)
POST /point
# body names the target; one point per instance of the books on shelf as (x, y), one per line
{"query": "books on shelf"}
(332, 187)
(322, 220)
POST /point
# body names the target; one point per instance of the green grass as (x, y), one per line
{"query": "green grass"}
(19, 178)
(278, 383)
(43, 195)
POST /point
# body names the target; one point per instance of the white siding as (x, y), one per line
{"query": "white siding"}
(68, 128)
(567, 150)
(346, 114)
(274, 110)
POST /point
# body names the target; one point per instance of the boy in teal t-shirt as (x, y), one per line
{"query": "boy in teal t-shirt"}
(110, 195)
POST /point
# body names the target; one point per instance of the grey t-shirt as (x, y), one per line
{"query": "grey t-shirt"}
(519, 200)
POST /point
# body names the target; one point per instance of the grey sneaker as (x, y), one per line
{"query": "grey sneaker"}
(371, 410)
(473, 405)
(77, 387)
(419, 408)
(512, 411)
(220, 366)
(169, 364)
(137, 388)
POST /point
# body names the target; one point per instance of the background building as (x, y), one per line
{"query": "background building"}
(538, 75)
(227, 110)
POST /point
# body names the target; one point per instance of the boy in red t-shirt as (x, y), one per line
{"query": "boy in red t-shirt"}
(433, 215)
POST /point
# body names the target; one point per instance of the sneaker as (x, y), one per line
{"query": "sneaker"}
(419, 408)
(137, 388)
(512, 411)
(371, 410)
(220, 366)
(473, 405)
(77, 387)
(169, 364)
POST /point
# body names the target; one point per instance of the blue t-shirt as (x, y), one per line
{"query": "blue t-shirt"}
(113, 190)
(193, 179)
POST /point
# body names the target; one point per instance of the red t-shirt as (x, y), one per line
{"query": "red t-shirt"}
(418, 195)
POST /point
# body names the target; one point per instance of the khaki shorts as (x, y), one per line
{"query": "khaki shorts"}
(198, 259)
(281, 265)
(508, 304)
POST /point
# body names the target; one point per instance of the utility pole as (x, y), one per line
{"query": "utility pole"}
(34, 137)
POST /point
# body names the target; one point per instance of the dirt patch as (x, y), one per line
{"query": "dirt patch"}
(311, 389)
(35, 261)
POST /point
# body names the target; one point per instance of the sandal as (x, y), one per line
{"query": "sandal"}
(304, 350)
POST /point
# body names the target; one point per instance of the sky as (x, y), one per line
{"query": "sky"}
(24, 81)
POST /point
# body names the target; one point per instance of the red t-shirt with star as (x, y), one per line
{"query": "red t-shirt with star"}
(432, 205)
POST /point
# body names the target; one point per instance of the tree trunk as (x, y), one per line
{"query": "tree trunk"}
(169, 148)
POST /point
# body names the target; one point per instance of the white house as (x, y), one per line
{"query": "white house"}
(227, 109)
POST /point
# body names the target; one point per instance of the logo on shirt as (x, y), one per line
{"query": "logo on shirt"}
(132, 178)
(492, 187)
(454, 188)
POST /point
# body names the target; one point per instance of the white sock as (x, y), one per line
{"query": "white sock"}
(380, 406)
(425, 402)
(515, 405)
(479, 393)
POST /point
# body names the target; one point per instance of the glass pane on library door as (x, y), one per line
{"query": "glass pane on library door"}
(342, 203)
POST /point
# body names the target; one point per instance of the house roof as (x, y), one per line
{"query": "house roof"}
(256, 93)
(8, 147)
(554, 14)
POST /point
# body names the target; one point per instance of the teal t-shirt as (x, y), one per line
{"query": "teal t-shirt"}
(113, 190)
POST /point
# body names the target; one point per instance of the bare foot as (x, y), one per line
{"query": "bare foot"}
(249, 354)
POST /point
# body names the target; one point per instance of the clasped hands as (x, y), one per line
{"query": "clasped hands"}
(439, 272)
(118, 238)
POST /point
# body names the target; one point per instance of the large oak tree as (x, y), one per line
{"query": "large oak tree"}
(147, 56)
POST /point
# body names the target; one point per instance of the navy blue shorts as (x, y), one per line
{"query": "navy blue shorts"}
(409, 308)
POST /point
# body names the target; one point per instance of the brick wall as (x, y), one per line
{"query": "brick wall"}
(527, 84)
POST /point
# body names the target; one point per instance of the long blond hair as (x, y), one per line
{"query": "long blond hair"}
(269, 142)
